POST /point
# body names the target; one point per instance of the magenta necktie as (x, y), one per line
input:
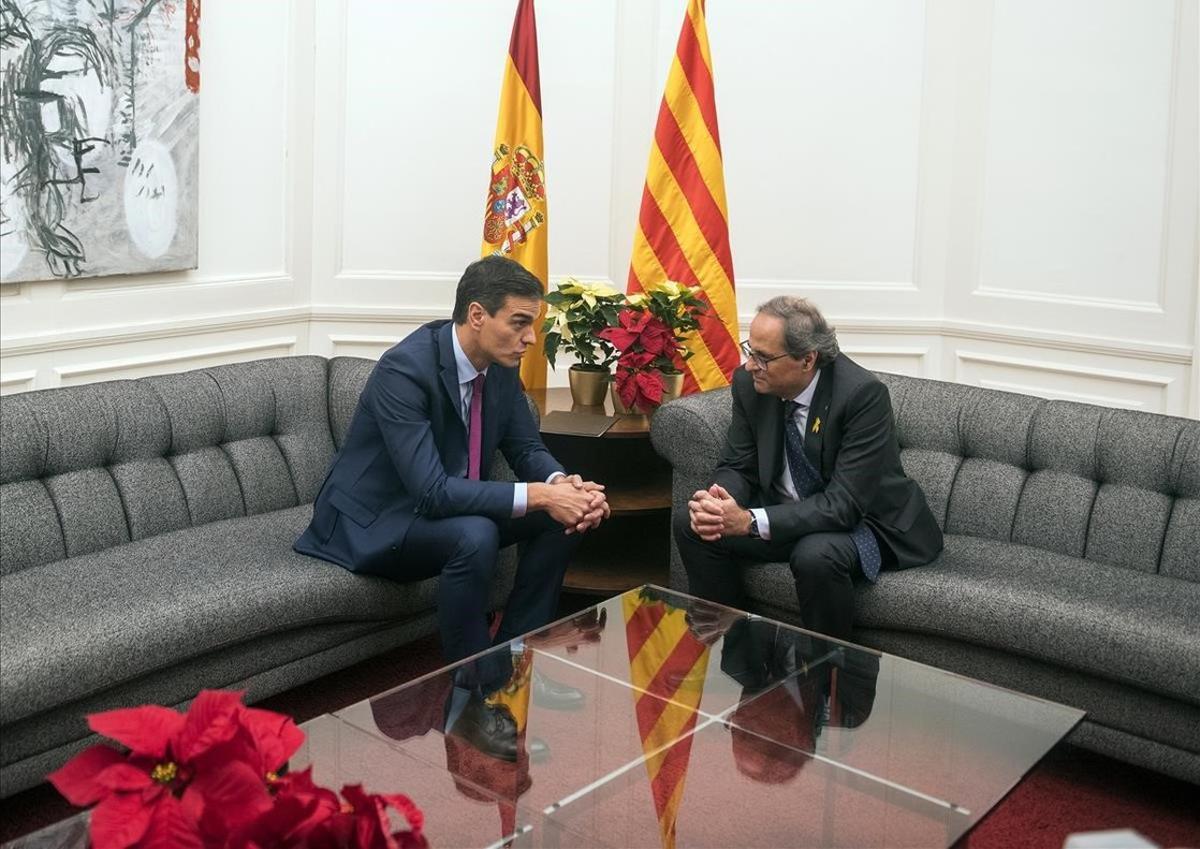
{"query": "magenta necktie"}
(475, 430)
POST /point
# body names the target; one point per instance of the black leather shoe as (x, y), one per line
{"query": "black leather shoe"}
(490, 729)
(539, 750)
(551, 694)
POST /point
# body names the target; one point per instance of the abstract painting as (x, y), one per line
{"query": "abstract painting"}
(99, 137)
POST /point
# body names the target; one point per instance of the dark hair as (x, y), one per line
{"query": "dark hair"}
(804, 328)
(491, 280)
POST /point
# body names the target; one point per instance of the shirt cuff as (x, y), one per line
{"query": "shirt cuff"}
(554, 475)
(520, 499)
(764, 524)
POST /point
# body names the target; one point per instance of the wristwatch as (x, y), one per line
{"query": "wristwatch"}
(753, 524)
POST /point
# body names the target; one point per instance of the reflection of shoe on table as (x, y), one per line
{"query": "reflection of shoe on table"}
(539, 750)
(490, 729)
(555, 696)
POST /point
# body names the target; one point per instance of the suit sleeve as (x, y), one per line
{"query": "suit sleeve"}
(866, 435)
(737, 470)
(401, 407)
(522, 444)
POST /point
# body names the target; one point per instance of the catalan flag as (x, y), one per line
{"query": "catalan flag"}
(683, 226)
(667, 665)
(514, 222)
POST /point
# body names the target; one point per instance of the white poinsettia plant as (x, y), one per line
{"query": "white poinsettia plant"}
(575, 312)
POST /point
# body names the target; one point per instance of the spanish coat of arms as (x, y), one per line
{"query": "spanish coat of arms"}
(516, 203)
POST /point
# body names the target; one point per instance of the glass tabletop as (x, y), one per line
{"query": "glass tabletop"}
(656, 719)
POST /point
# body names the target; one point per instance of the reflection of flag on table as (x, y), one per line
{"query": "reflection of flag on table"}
(667, 662)
(683, 227)
(514, 222)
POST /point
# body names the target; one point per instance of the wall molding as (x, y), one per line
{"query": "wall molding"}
(95, 337)
(1115, 375)
(1068, 300)
(17, 381)
(66, 373)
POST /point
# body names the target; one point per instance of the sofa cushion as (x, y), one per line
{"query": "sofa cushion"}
(79, 626)
(1124, 626)
(1115, 623)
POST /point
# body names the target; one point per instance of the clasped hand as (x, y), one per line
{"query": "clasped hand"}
(577, 504)
(714, 514)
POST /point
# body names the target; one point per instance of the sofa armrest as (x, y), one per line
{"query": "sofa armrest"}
(690, 432)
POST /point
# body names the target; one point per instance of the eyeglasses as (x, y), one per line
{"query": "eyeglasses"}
(758, 359)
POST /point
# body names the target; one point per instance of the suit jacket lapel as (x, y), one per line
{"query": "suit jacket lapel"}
(770, 446)
(817, 414)
(449, 371)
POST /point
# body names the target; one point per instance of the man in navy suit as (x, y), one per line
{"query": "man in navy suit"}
(408, 495)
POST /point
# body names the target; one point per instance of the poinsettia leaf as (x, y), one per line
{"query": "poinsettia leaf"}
(124, 776)
(76, 779)
(171, 827)
(650, 387)
(211, 719)
(146, 730)
(626, 388)
(407, 807)
(234, 795)
(275, 736)
(120, 820)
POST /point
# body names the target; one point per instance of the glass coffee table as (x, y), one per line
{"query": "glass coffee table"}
(699, 725)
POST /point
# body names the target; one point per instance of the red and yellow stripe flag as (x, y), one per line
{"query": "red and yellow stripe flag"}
(514, 223)
(669, 664)
(683, 226)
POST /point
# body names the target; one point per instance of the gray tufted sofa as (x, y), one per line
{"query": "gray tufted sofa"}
(1072, 562)
(146, 532)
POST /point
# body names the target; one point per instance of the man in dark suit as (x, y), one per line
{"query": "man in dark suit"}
(810, 474)
(408, 495)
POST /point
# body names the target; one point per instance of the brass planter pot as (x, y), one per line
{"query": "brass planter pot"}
(672, 385)
(588, 386)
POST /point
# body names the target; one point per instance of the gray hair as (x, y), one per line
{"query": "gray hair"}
(804, 328)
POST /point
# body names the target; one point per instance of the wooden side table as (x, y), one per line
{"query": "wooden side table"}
(633, 547)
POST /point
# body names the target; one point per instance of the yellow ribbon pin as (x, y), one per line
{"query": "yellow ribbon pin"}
(817, 425)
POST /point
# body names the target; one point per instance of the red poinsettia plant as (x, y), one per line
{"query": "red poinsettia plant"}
(210, 778)
(645, 341)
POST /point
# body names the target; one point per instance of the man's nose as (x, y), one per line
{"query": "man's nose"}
(529, 336)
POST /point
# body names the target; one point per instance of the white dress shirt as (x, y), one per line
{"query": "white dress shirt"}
(466, 374)
(783, 484)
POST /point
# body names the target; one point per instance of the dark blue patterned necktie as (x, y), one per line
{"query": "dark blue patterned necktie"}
(807, 481)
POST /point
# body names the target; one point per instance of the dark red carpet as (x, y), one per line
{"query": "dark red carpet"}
(1070, 791)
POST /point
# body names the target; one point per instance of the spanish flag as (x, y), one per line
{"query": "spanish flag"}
(683, 227)
(667, 665)
(514, 222)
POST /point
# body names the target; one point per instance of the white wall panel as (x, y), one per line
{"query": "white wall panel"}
(1109, 383)
(1080, 171)
(177, 359)
(820, 110)
(420, 99)
(1073, 198)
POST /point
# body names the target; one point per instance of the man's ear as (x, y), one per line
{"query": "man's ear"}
(475, 314)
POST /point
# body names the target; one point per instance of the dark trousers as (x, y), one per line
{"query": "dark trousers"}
(823, 565)
(464, 551)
